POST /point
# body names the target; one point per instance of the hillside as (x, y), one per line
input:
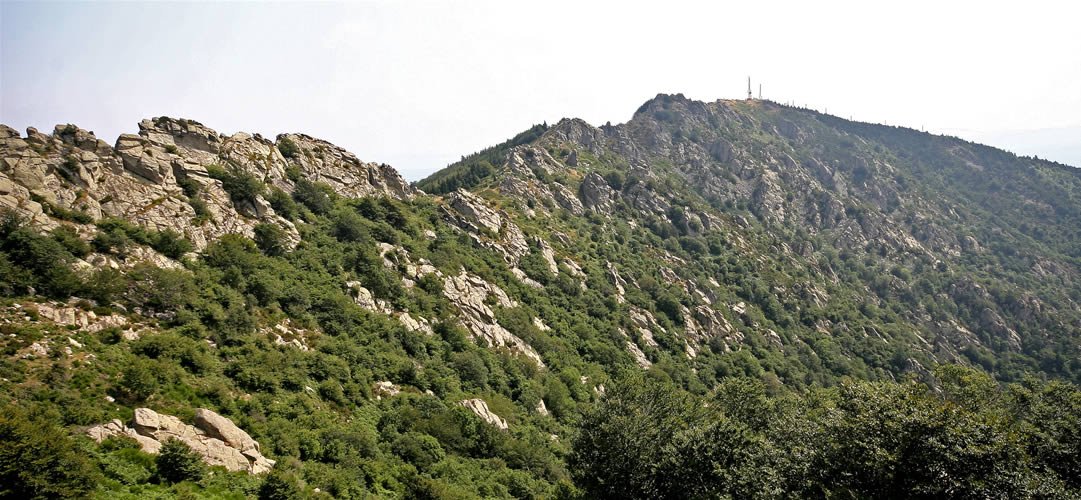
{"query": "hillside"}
(879, 248)
(712, 299)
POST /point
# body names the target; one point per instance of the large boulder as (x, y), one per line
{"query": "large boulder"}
(596, 194)
(480, 408)
(213, 437)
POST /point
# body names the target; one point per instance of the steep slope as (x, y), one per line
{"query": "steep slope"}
(371, 339)
(878, 249)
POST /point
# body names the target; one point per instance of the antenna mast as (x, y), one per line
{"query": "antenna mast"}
(760, 91)
(748, 88)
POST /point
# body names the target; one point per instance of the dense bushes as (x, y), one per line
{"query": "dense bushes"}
(288, 148)
(242, 187)
(864, 440)
(116, 235)
(29, 260)
(177, 462)
(39, 460)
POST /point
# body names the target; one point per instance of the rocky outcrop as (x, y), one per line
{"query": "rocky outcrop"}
(321, 161)
(703, 324)
(364, 298)
(215, 438)
(644, 323)
(159, 179)
(488, 227)
(285, 333)
(617, 281)
(576, 132)
(471, 295)
(480, 408)
(385, 388)
(636, 353)
(70, 315)
(596, 194)
(547, 254)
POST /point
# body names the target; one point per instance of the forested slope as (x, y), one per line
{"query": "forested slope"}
(737, 292)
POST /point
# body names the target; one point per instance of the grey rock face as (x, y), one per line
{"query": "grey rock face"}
(155, 178)
(470, 294)
(480, 408)
(596, 194)
(214, 437)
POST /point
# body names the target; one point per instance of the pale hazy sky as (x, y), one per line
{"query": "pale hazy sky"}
(419, 84)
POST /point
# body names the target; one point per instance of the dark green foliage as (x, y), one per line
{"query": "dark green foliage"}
(39, 460)
(615, 179)
(282, 485)
(476, 167)
(621, 451)
(288, 148)
(270, 238)
(171, 244)
(69, 238)
(892, 440)
(317, 197)
(421, 450)
(177, 462)
(34, 261)
(242, 187)
(283, 204)
(116, 235)
(138, 381)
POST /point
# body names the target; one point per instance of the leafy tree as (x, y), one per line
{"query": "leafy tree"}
(69, 238)
(138, 381)
(421, 450)
(39, 262)
(270, 238)
(171, 244)
(241, 186)
(288, 148)
(177, 462)
(627, 447)
(39, 460)
(283, 483)
(314, 196)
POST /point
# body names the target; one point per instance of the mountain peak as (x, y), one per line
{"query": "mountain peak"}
(177, 174)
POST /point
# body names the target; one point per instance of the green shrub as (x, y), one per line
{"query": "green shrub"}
(171, 244)
(241, 186)
(283, 204)
(288, 148)
(39, 460)
(35, 261)
(270, 238)
(318, 198)
(177, 462)
(282, 484)
(69, 238)
(138, 381)
(421, 450)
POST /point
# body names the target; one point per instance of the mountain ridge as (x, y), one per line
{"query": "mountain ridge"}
(549, 313)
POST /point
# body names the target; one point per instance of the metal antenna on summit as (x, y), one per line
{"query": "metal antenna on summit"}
(749, 88)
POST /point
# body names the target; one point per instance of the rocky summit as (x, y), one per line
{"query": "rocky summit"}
(714, 299)
(163, 178)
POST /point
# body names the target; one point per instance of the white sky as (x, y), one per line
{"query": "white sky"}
(419, 84)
